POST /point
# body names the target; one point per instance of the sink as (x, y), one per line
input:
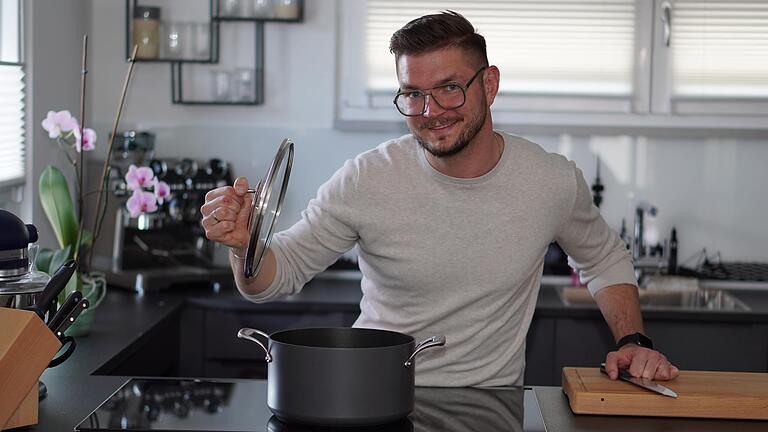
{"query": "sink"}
(702, 299)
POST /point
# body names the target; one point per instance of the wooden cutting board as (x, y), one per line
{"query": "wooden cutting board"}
(726, 395)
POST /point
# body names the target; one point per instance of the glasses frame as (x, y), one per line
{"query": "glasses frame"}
(428, 92)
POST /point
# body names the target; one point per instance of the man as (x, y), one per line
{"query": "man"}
(452, 223)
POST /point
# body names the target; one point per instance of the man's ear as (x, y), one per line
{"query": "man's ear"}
(491, 83)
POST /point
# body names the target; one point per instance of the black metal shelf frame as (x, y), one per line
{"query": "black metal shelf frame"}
(177, 76)
(177, 65)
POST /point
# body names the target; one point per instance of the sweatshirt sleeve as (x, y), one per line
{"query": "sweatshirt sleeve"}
(594, 249)
(325, 232)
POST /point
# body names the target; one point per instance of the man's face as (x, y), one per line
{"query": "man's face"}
(443, 132)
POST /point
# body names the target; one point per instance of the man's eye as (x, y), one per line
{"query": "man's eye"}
(451, 87)
(414, 95)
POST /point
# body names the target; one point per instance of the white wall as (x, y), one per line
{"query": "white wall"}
(711, 189)
(54, 37)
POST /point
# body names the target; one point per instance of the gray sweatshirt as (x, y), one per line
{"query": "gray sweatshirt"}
(448, 256)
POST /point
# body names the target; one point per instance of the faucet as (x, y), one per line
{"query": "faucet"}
(644, 264)
(638, 248)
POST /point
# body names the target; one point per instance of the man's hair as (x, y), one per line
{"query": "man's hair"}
(434, 32)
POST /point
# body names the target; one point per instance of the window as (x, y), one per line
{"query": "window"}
(574, 62)
(718, 54)
(12, 135)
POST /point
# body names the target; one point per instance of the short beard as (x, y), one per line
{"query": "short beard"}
(462, 142)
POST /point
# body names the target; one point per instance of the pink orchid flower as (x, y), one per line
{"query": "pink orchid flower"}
(141, 202)
(88, 141)
(138, 178)
(162, 190)
(56, 123)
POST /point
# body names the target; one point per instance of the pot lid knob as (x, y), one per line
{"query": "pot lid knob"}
(16, 235)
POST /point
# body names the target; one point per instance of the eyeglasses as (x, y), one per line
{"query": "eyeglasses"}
(449, 96)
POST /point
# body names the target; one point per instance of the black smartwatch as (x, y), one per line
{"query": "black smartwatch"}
(636, 339)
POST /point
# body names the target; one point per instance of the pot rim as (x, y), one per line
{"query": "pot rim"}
(410, 341)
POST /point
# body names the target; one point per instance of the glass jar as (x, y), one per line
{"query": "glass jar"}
(146, 31)
(244, 85)
(262, 8)
(175, 39)
(287, 9)
(221, 85)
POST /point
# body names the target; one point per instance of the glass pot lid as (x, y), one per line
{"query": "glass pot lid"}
(265, 209)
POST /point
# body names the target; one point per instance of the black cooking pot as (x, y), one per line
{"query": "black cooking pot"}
(340, 376)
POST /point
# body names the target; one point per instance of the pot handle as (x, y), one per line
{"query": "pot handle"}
(427, 343)
(248, 334)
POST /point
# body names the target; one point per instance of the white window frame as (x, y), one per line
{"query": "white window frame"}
(650, 110)
(9, 189)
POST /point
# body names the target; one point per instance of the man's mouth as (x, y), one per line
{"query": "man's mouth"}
(443, 124)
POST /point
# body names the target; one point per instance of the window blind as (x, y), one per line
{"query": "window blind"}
(544, 47)
(12, 133)
(11, 123)
(719, 48)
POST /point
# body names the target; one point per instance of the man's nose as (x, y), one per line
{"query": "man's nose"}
(431, 107)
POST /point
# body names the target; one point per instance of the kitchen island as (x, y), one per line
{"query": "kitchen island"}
(140, 333)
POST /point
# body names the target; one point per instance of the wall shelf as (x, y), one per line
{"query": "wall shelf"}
(214, 21)
(177, 77)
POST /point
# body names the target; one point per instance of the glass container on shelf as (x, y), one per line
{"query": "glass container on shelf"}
(200, 40)
(262, 9)
(244, 83)
(175, 39)
(146, 31)
(287, 9)
(221, 84)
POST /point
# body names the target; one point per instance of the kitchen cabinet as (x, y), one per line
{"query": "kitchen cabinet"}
(690, 345)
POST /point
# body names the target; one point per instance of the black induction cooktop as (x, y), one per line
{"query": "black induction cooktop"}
(192, 405)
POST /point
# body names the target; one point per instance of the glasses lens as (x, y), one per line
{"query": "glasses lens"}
(449, 96)
(410, 103)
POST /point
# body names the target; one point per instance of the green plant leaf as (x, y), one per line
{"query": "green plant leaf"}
(57, 204)
(59, 257)
(74, 284)
(43, 259)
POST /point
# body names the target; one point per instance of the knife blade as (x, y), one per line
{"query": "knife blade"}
(70, 318)
(642, 382)
(69, 303)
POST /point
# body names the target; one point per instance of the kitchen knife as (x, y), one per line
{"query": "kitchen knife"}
(69, 303)
(642, 382)
(70, 318)
(53, 287)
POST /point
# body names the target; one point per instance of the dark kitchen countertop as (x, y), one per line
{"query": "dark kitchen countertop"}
(123, 317)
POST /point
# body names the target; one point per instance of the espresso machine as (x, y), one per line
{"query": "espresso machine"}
(167, 248)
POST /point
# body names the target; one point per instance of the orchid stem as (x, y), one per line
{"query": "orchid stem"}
(81, 168)
(101, 210)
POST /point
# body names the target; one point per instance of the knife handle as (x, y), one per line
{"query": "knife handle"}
(54, 286)
(623, 373)
(72, 299)
(70, 318)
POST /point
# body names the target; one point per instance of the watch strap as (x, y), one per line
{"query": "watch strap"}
(635, 339)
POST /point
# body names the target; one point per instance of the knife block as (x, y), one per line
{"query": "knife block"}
(26, 348)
